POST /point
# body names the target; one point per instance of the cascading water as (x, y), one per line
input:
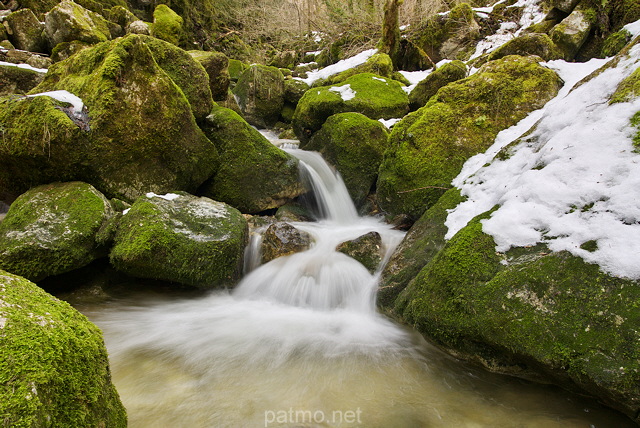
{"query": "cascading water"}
(298, 343)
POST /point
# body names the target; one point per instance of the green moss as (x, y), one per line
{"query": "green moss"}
(188, 240)
(375, 97)
(379, 64)
(69, 21)
(26, 31)
(54, 369)
(254, 175)
(260, 94)
(529, 44)
(216, 64)
(18, 80)
(236, 68)
(570, 34)
(628, 89)
(428, 147)
(615, 42)
(635, 121)
(354, 144)
(429, 86)
(366, 249)
(167, 25)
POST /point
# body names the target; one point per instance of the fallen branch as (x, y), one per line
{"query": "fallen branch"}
(425, 187)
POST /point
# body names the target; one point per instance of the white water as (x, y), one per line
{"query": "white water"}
(298, 343)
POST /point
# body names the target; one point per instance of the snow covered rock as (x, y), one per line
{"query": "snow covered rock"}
(53, 229)
(181, 238)
(260, 95)
(55, 368)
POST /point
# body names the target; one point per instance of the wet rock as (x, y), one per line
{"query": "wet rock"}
(367, 249)
(282, 239)
(181, 238)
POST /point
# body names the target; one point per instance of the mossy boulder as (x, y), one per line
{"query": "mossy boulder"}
(55, 368)
(294, 89)
(367, 249)
(55, 228)
(570, 34)
(615, 42)
(167, 25)
(354, 145)
(628, 89)
(18, 80)
(260, 94)
(429, 86)
(428, 147)
(529, 44)
(371, 95)
(68, 21)
(379, 63)
(254, 175)
(121, 15)
(144, 136)
(282, 239)
(421, 243)
(236, 68)
(216, 64)
(26, 31)
(181, 238)
(531, 313)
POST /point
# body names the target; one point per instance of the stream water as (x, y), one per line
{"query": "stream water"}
(298, 343)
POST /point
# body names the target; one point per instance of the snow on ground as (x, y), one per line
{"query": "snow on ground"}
(389, 122)
(25, 66)
(338, 67)
(633, 28)
(572, 180)
(64, 97)
(414, 77)
(345, 92)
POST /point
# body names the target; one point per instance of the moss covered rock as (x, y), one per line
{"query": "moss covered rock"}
(260, 94)
(529, 44)
(294, 90)
(181, 238)
(354, 145)
(379, 64)
(26, 31)
(18, 80)
(367, 249)
(236, 68)
(55, 370)
(68, 21)
(254, 175)
(570, 34)
(371, 95)
(428, 147)
(144, 136)
(425, 89)
(216, 64)
(64, 50)
(282, 239)
(167, 25)
(531, 313)
(55, 228)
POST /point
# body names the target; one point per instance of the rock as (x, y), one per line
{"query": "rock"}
(143, 131)
(294, 90)
(216, 64)
(121, 15)
(260, 94)
(26, 31)
(375, 97)
(53, 229)
(39, 61)
(367, 249)
(413, 58)
(529, 44)
(281, 239)
(354, 145)
(286, 59)
(531, 313)
(167, 25)
(293, 211)
(64, 50)
(181, 238)
(379, 64)
(429, 86)
(18, 80)
(138, 27)
(254, 175)
(570, 34)
(428, 147)
(236, 68)
(69, 21)
(55, 368)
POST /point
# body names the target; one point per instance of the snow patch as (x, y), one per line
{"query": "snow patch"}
(345, 92)
(64, 97)
(633, 28)
(167, 197)
(414, 77)
(338, 67)
(389, 122)
(25, 66)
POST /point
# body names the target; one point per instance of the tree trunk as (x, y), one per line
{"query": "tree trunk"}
(390, 43)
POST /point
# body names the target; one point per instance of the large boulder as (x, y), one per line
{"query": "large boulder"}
(282, 239)
(374, 96)
(68, 21)
(367, 249)
(260, 94)
(428, 147)
(529, 44)
(55, 228)
(167, 25)
(181, 238)
(254, 175)
(570, 34)
(26, 31)
(216, 64)
(55, 368)
(354, 145)
(429, 86)
(378, 63)
(143, 134)
(18, 80)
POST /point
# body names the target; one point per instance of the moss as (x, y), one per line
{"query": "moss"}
(188, 240)
(529, 44)
(167, 25)
(260, 94)
(428, 147)
(18, 80)
(64, 50)
(423, 241)
(628, 89)
(635, 122)
(236, 68)
(216, 64)
(354, 145)
(254, 175)
(429, 86)
(379, 64)
(121, 16)
(52, 229)
(26, 31)
(570, 34)
(615, 42)
(375, 97)
(54, 369)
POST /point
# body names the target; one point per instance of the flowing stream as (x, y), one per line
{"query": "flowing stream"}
(298, 343)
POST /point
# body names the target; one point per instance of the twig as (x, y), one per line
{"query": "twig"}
(425, 187)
